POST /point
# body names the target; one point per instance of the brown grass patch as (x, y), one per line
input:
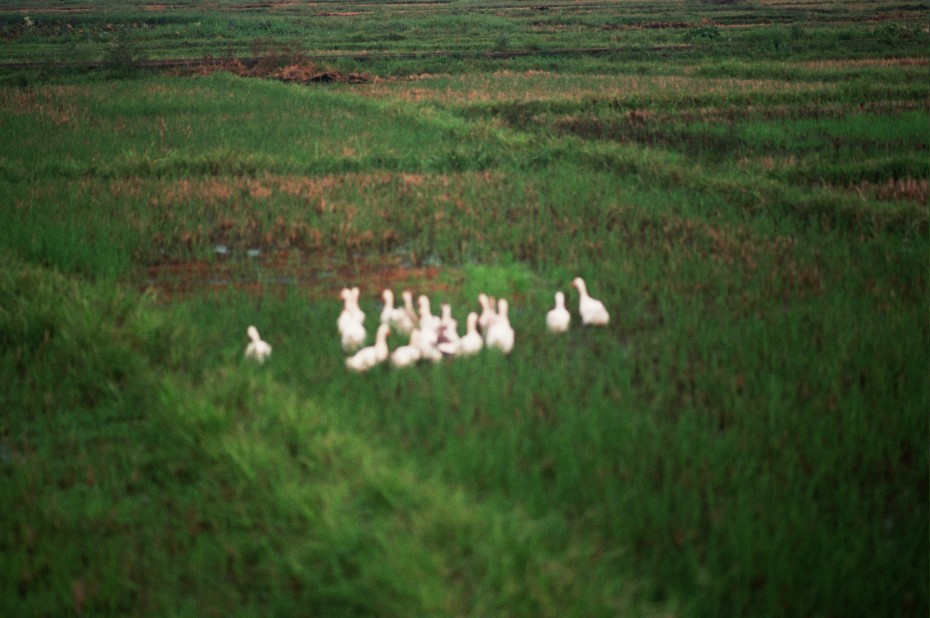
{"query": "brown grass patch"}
(47, 9)
(866, 62)
(287, 272)
(50, 102)
(737, 249)
(307, 72)
(915, 190)
(508, 86)
(351, 214)
(273, 66)
(309, 188)
(793, 112)
(655, 25)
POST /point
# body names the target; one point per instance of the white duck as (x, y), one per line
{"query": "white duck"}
(351, 321)
(558, 319)
(592, 311)
(471, 342)
(351, 312)
(353, 336)
(407, 295)
(366, 358)
(426, 341)
(388, 312)
(396, 317)
(448, 340)
(500, 334)
(257, 349)
(487, 312)
(428, 323)
(409, 354)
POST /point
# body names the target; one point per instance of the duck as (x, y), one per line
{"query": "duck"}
(257, 349)
(366, 358)
(448, 336)
(471, 342)
(427, 341)
(397, 317)
(428, 323)
(558, 319)
(407, 296)
(351, 312)
(409, 354)
(500, 333)
(593, 312)
(388, 312)
(351, 321)
(353, 336)
(487, 312)
(446, 321)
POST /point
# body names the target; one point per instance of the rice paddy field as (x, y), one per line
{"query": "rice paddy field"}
(744, 184)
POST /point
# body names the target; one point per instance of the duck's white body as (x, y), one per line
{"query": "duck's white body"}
(471, 342)
(257, 349)
(558, 319)
(409, 354)
(448, 336)
(401, 322)
(487, 312)
(351, 321)
(500, 334)
(396, 317)
(366, 358)
(427, 343)
(351, 312)
(593, 312)
(407, 295)
(428, 323)
(388, 310)
(353, 336)
(447, 322)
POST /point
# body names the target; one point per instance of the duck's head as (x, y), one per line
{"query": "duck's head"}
(502, 307)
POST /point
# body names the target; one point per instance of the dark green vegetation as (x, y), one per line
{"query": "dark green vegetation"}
(743, 183)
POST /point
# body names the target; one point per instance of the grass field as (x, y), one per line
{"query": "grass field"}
(743, 183)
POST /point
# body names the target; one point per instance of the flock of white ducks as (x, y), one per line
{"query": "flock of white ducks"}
(433, 338)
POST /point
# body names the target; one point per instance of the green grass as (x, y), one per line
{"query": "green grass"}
(747, 437)
(744, 30)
